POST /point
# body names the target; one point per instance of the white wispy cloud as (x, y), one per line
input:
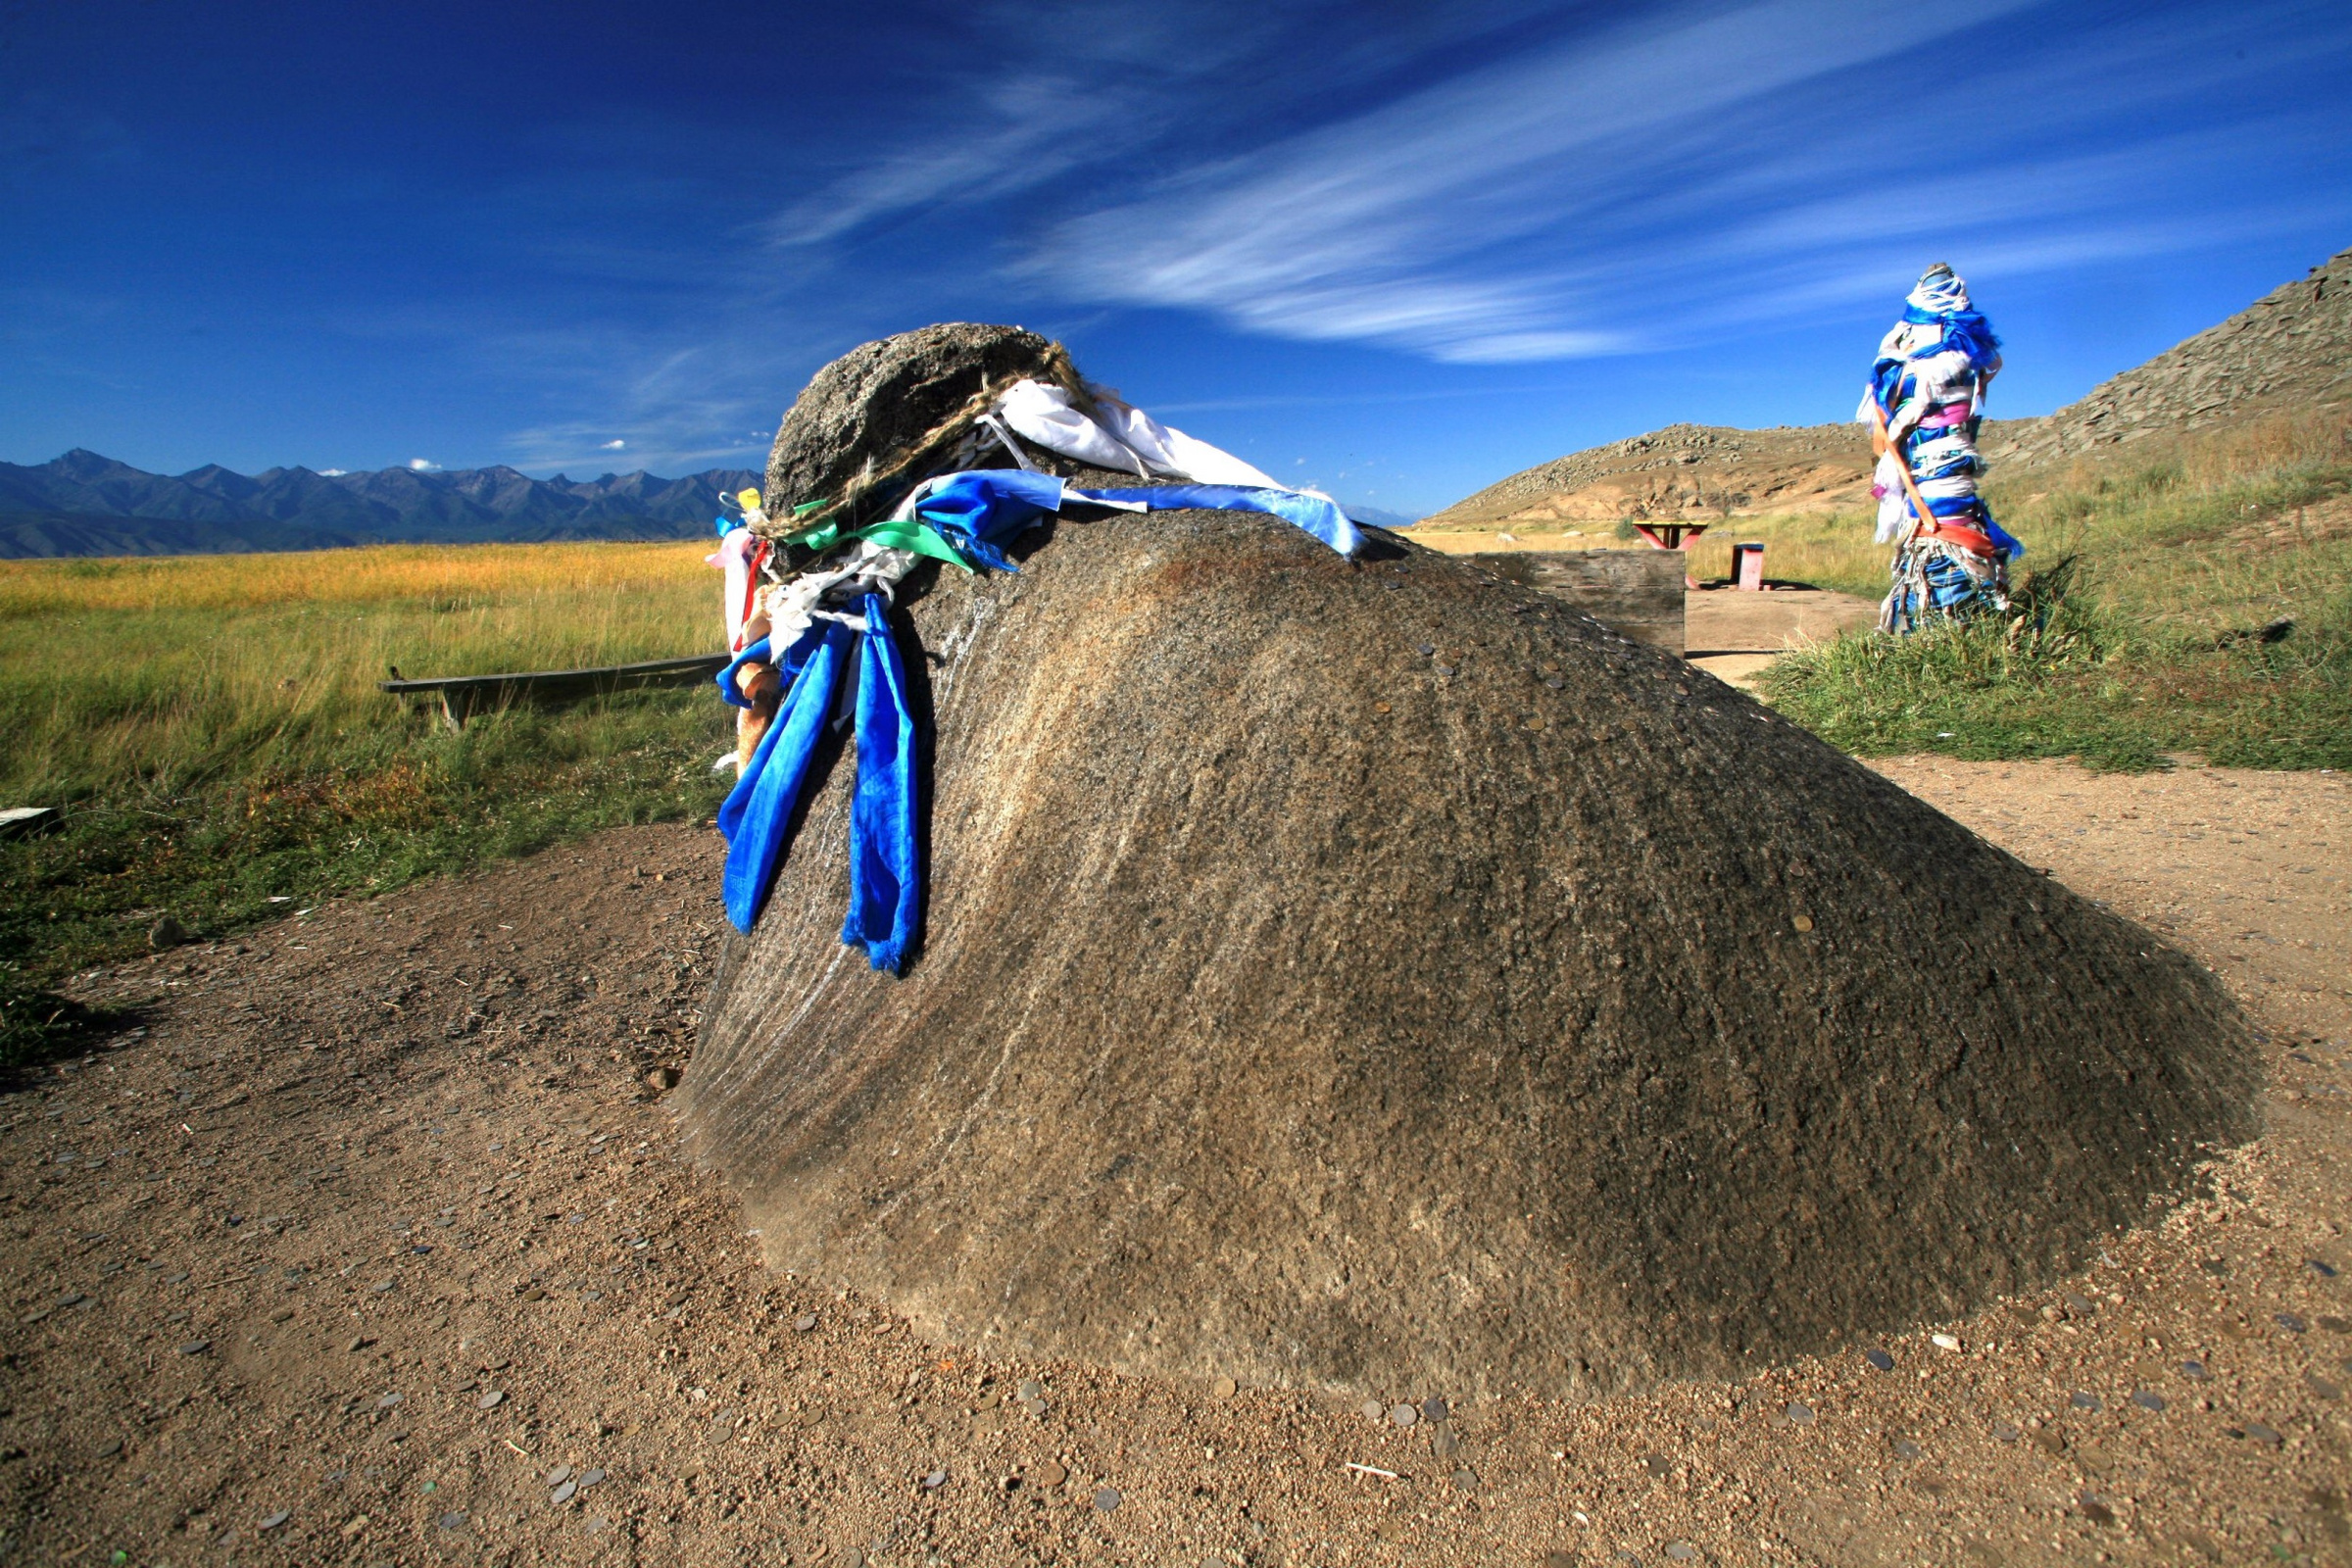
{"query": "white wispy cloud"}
(612, 446)
(1625, 190)
(424, 465)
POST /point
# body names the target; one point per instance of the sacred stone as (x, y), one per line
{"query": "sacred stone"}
(893, 403)
(1282, 1013)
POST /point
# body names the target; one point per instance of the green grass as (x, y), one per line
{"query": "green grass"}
(211, 729)
(2138, 649)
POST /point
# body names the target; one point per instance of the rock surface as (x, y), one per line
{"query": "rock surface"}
(2288, 353)
(874, 406)
(1291, 1010)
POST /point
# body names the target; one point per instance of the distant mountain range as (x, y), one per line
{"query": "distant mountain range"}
(87, 505)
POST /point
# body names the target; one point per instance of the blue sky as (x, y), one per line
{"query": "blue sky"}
(1394, 247)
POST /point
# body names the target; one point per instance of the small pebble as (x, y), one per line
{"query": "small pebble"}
(1051, 1473)
(2291, 1323)
(563, 1494)
(2148, 1399)
(1944, 1342)
(2004, 1431)
(2326, 1271)
(385, 1401)
(272, 1521)
(589, 1478)
(2082, 1401)
(559, 1475)
(2079, 1304)
(1372, 1409)
(803, 1323)
(1435, 1408)
(490, 1399)
(1405, 1414)
(195, 1346)
(1223, 1387)
(1680, 1550)
(2262, 1434)
(935, 1480)
(1800, 1414)
(1106, 1500)
(1466, 1477)
(2195, 1371)
(1905, 1449)
(2321, 1387)
(1879, 1359)
(453, 1520)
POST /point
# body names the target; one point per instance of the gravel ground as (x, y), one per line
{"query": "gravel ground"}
(372, 1246)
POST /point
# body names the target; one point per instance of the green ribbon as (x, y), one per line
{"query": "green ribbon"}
(891, 533)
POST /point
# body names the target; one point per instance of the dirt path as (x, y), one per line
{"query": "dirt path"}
(373, 1248)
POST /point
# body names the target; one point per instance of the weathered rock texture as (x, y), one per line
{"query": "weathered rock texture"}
(890, 405)
(1292, 1009)
(2289, 352)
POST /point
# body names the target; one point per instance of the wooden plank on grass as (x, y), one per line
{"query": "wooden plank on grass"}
(464, 695)
(1637, 593)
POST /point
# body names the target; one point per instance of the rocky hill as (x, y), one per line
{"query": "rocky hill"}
(2291, 350)
(1689, 471)
(84, 504)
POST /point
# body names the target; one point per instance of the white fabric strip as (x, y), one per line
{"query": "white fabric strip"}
(1126, 438)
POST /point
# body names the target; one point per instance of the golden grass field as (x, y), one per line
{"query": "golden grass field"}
(211, 727)
(179, 668)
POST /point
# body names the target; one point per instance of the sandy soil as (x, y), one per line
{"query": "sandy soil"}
(373, 1248)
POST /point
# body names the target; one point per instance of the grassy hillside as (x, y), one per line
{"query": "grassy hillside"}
(2147, 643)
(213, 727)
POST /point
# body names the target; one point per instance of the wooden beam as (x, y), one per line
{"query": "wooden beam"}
(463, 695)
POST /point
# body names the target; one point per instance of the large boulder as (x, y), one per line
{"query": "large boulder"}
(1373, 975)
(884, 407)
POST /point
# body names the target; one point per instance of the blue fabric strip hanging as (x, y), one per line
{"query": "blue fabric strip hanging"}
(886, 882)
(976, 513)
(758, 814)
(989, 507)
(1316, 514)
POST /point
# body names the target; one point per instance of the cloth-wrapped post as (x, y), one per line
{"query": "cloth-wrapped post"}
(1927, 392)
